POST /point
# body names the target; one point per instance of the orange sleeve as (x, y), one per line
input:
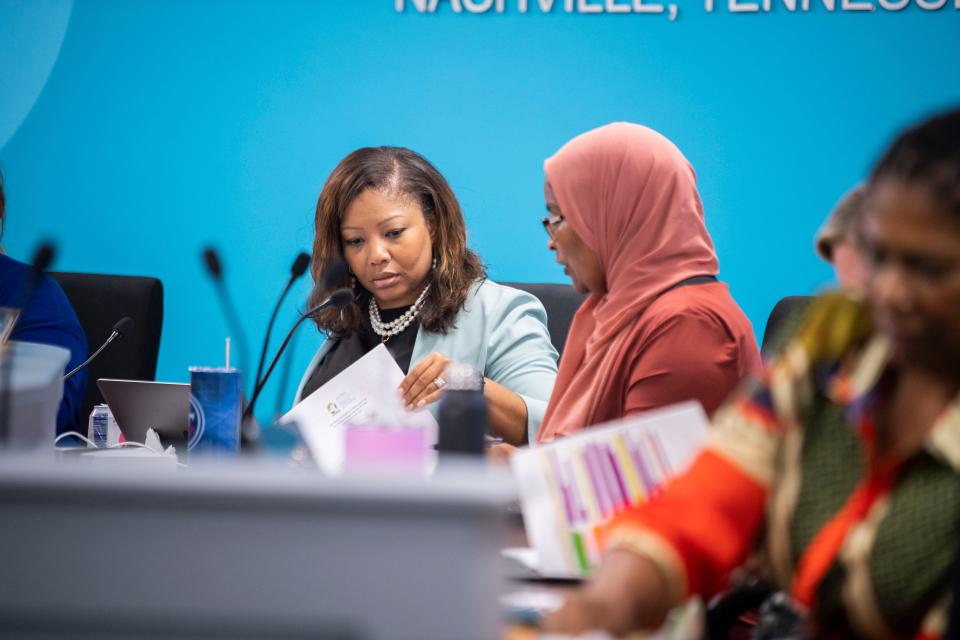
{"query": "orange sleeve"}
(708, 518)
(690, 356)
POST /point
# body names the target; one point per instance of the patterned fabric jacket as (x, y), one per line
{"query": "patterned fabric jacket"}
(866, 542)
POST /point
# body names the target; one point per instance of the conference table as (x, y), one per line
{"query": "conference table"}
(250, 549)
(259, 549)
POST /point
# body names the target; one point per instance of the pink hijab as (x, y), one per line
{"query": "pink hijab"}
(632, 197)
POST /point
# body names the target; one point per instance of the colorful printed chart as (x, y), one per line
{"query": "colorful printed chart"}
(571, 487)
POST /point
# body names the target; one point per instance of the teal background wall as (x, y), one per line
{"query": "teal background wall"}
(136, 132)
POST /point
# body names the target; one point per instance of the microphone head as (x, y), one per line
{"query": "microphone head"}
(300, 264)
(212, 261)
(341, 297)
(338, 298)
(124, 326)
(43, 257)
(335, 274)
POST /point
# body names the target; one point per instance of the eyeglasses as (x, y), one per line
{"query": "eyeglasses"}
(551, 223)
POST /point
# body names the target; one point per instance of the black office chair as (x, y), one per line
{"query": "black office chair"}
(560, 300)
(783, 321)
(101, 300)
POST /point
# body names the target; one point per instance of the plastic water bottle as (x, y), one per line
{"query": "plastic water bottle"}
(463, 415)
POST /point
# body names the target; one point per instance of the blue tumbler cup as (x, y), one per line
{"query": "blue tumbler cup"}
(215, 407)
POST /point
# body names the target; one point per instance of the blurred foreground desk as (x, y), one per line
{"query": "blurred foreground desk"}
(248, 552)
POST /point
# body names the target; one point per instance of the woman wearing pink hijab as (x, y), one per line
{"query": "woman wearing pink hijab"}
(626, 222)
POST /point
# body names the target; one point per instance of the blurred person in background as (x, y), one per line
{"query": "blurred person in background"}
(839, 241)
(843, 462)
(47, 319)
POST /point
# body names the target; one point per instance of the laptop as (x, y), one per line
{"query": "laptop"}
(138, 405)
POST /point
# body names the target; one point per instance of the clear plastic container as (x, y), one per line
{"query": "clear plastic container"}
(36, 388)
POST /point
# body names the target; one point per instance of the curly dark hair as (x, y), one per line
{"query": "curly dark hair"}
(928, 152)
(400, 172)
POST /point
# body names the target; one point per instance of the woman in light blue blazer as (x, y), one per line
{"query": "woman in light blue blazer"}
(390, 215)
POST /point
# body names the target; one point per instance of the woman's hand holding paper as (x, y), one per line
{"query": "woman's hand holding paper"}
(422, 386)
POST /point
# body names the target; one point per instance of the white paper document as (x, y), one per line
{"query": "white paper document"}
(365, 393)
(571, 487)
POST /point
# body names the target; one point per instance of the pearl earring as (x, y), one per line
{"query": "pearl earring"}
(434, 266)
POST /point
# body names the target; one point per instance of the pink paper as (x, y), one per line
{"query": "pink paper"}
(386, 449)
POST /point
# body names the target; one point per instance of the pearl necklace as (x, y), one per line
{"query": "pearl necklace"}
(387, 330)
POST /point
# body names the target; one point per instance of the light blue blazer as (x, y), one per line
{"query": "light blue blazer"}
(501, 331)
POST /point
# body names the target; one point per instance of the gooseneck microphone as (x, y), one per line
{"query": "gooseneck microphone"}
(333, 277)
(297, 269)
(211, 260)
(338, 298)
(122, 327)
(42, 259)
(283, 383)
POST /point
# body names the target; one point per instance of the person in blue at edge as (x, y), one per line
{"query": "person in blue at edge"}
(47, 319)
